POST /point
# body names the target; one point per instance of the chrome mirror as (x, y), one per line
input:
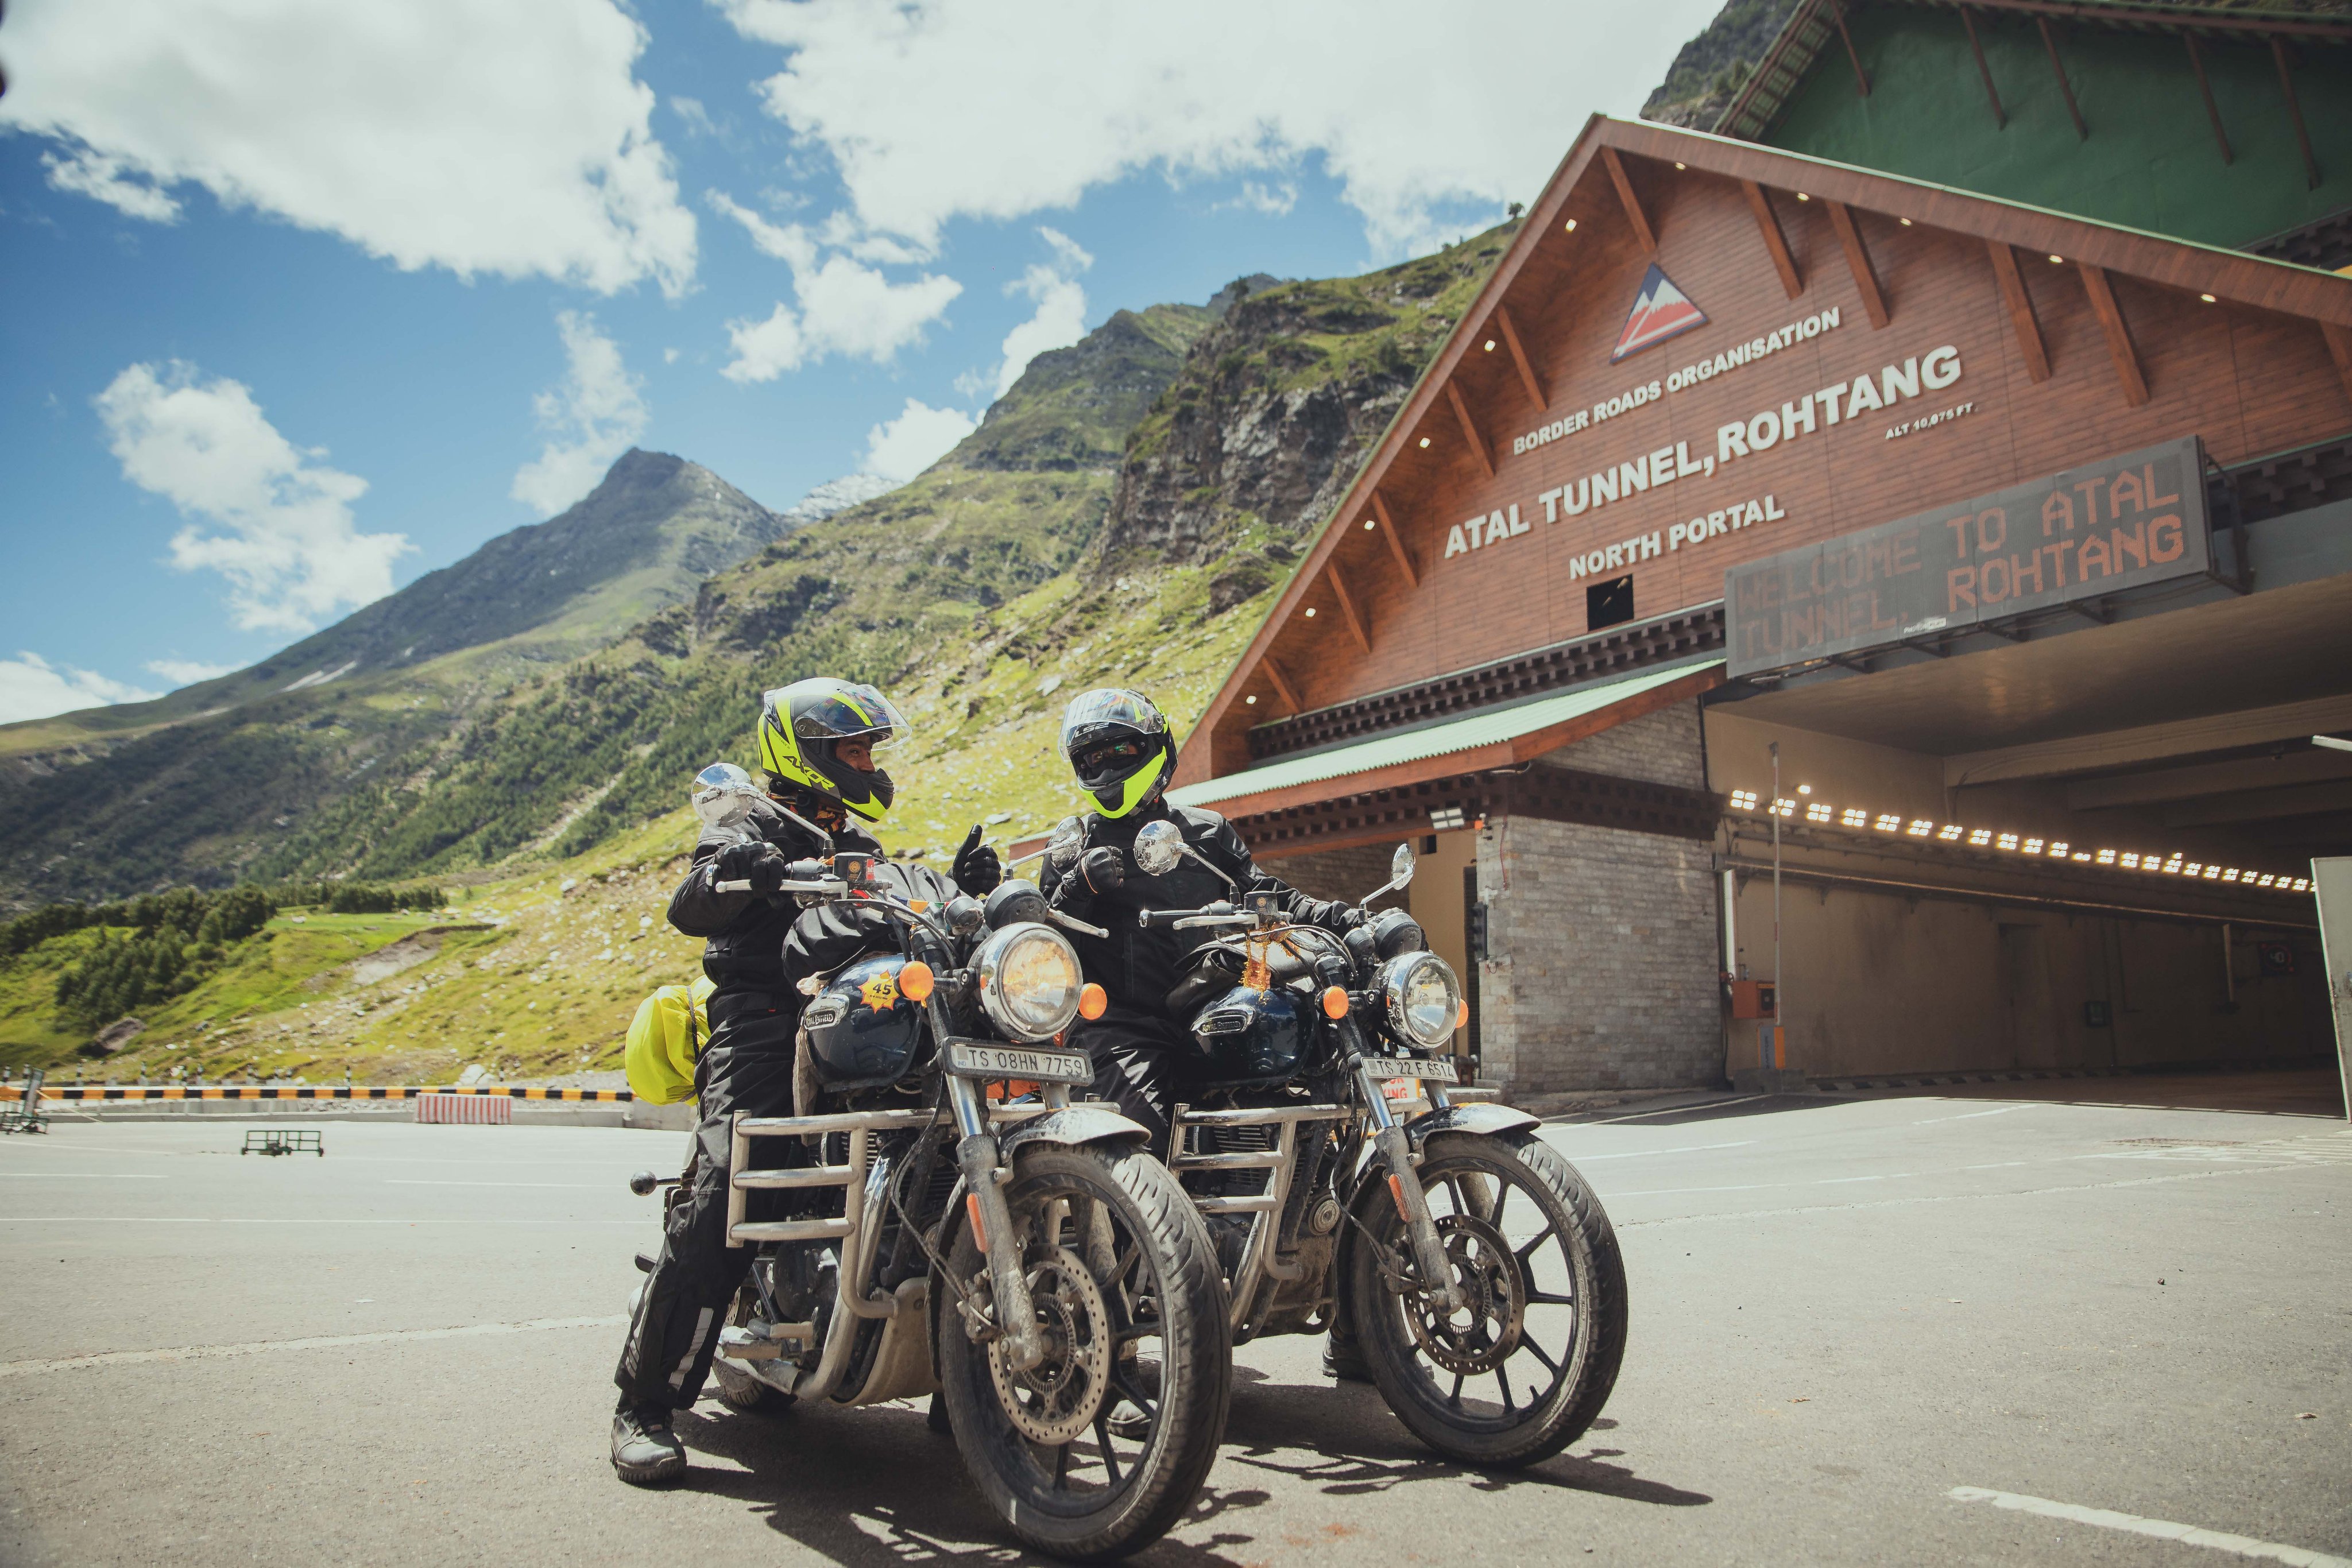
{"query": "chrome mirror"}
(1400, 865)
(723, 794)
(1158, 847)
(1062, 847)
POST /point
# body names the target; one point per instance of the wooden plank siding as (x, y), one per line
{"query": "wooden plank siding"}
(2250, 373)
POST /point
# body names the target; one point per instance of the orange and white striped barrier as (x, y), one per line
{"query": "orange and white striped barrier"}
(472, 1110)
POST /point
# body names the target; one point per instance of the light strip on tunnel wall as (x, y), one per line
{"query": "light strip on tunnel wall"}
(1926, 830)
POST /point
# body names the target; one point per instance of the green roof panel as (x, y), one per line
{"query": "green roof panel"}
(1485, 728)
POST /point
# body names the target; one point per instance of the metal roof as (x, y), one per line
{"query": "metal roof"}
(1479, 729)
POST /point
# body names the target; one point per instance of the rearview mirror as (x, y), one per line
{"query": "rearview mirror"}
(1158, 847)
(1061, 846)
(1400, 865)
(723, 794)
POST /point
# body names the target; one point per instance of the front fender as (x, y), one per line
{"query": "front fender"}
(1075, 1126)
(1486, 1120)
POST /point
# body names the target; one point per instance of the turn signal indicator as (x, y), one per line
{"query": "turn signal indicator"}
(1334, 1002)
(915, 980)
(1092, 1000)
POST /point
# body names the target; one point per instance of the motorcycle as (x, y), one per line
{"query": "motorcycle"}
(1027, 1259)
(1466, 1255)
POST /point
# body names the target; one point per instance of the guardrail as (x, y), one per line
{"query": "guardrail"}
(114, 1091)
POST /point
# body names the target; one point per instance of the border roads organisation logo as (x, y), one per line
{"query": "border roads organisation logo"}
(1660, 311)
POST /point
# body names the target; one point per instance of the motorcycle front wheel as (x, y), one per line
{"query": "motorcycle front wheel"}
(1095, 1452)
(1525, 1365)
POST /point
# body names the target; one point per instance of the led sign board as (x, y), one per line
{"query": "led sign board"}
(2120, 523)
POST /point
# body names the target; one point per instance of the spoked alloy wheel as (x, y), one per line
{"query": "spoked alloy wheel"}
(1521, 1369)
(1097, 1449)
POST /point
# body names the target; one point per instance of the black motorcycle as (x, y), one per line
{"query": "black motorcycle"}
(1469, 1262)
(1027, 1258)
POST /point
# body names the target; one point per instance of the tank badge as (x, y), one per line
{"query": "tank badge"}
(880, 993)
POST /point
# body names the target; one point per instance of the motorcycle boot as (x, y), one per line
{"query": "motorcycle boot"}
(1343, 1359)
(645, 1452)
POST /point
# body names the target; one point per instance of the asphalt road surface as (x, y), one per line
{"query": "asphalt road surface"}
(1864, 1329)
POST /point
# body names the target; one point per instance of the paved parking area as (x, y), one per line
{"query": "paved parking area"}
(1846, 1309)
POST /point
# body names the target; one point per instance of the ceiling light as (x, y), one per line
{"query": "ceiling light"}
(1310, 613)
(1855, 817)
(2058, 259)
(1980, 838)
(1743, 799)
(1681, 165)
(1802, 197)
(1251, 700)
(1804, 788)
(1368, 525)
(1490, 345)
(2006, 842)
(1819, 811)
(2032, 846)
(1571, 225)
(2207, 298)
(1920, 828)
(1904, 222)
(1887, 822)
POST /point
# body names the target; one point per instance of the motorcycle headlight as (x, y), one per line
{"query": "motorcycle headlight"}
(1423, 998)
(1029, 981)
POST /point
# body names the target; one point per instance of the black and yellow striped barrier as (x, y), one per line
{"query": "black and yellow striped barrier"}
(302, 1091)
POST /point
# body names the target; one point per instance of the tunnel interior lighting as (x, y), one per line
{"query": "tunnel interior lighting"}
(1920, 828)
(1855, 817)
(1743, 799)
(1979, 837)
(1818, 811)
(2006, 842)
(1784, 807)
(1887, 821)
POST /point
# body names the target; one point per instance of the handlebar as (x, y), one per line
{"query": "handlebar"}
(1198, 920)
(1215, 914)
(1075, 924)
(826, 886)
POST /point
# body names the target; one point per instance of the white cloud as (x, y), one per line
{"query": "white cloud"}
(188, 672)
(590, 419)
(290, 551)
(918, 437)
(509, 138)
(844, 306)
(1061, 316)
(933, 112)
(32, 687)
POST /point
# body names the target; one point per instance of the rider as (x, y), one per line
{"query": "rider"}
(1122, 748)
(817, 741)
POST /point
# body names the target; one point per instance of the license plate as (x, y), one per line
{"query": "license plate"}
(1440, 1071)
(969, 1059)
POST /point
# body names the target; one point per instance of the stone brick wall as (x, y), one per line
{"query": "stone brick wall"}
(1603, 966)
(1347, 873)
(1661, 748)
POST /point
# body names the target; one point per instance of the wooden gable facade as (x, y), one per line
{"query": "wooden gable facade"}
(1833, 349)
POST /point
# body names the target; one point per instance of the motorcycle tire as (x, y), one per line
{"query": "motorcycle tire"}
(1539, 1266)
(1097, 1452)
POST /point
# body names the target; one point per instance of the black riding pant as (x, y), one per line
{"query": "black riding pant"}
(748, 1067)
(1142, 1063)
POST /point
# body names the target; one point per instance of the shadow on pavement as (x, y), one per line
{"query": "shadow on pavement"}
(1719, 1109)
(876, 1487)
(2314, 1092)
(1344, 1440)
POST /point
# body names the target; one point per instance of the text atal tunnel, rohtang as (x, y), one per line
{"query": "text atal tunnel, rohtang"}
(2120, 523)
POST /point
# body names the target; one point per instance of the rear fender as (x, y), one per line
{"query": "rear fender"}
(1073, 1127)
(1485, 1121)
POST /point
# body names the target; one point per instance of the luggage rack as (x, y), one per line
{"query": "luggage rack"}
(849, 1175)
(273, 1141)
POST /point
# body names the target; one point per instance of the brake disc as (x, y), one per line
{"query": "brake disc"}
(1483, 1335)
(1057, 1400)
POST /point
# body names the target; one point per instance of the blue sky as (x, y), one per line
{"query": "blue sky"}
(299, 300)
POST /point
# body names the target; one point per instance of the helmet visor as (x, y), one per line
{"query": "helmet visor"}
(1091, 714)
(848, 712)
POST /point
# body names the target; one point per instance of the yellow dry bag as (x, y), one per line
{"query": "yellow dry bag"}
(665, 1038)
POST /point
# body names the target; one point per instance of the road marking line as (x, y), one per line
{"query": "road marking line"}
(572, 1186)
(1668, 1110)
(1644, 1154)
(321, 1342)
(1971, 1116)
(1940, 1198)
(2162, 1528)
(79, 1175)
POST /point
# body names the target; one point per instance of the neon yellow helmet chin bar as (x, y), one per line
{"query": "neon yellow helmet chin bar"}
(803, 726)
(1120, 747)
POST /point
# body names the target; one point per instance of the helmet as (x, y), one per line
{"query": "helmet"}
(1120, 747)
(803, 726)
(862, 1028)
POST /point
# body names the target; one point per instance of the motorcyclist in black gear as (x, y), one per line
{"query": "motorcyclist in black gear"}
(1123, 752)
(816, 741)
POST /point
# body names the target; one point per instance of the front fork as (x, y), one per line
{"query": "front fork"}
(1394, 1151)
(984, 1177)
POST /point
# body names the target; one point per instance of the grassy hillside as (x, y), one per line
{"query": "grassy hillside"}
(1122, 517)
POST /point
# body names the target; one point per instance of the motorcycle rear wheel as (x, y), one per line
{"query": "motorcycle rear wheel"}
(1095, 1453)
(1545, 1303)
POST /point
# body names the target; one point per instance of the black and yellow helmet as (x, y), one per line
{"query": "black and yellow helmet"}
(803, 726)
(1120, 747)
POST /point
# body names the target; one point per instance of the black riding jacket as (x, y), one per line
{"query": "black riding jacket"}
(1139, 968)
(748, 932)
